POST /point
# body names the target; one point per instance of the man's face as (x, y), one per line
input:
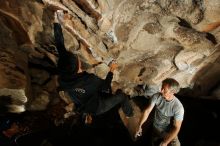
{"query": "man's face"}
(166, 92)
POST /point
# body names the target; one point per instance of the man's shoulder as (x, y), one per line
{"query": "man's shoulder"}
(155, 98)
(177, 101)
(178, 104)
(156, 95)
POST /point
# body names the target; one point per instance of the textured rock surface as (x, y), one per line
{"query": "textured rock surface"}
(150, 39)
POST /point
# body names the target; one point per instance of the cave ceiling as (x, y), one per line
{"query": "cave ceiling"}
(150, 39)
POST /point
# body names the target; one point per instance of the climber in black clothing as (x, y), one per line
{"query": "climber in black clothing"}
(89, 93)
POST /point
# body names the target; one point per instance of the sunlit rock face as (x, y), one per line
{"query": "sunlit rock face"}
(150, 40)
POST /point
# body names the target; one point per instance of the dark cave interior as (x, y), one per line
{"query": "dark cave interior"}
(200, 127)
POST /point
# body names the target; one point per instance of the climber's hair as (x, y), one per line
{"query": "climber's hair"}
(172, 83)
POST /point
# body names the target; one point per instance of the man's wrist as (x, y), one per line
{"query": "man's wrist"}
(164, 143)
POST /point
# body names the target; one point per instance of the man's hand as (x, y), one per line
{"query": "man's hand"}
(138, 132)
(163, 144)
(113, 65)
(88, 119)
(60, 16)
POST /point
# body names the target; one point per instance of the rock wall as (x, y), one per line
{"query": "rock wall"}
(150, 39)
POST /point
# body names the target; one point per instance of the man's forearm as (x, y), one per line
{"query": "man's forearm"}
(171, 135)
(106, 87)
(143, 118)
(59, 40)
(145, 115)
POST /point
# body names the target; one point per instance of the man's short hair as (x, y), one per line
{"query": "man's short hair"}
(172, 83)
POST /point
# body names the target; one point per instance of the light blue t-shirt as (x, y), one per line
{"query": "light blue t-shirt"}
(165, 111)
